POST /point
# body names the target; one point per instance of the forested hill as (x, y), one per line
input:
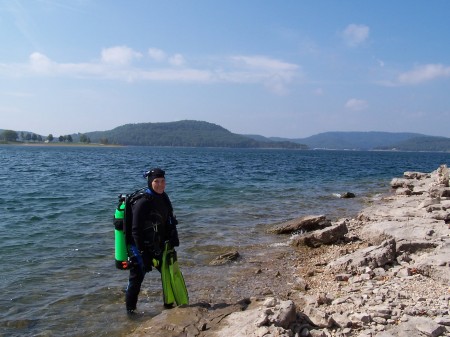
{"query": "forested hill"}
(357, 140)
(189, 133)
(373, 140)
(423, 143)
(182, 133)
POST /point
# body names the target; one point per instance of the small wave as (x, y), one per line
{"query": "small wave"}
(35, 218)
(279, 244)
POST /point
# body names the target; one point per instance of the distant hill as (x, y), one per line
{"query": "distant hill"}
(191, 133)
(355, 140)
(424, 143)
(187, 133)
(374, 140)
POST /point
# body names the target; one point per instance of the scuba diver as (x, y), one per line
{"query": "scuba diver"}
(152, 237)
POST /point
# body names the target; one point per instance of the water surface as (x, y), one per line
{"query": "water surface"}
(57, 245)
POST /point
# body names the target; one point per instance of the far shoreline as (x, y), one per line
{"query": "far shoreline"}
(60, 144)
(65, 144)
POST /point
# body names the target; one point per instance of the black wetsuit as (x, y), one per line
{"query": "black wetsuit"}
(153, 225)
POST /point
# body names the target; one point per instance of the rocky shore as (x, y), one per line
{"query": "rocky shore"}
(385, 273)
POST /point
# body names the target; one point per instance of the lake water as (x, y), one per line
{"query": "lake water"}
(57, 245)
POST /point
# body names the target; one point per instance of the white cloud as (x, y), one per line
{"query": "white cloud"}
(274, 74)
(177, 60)
(355, 34)
(159, 55)
(424, 73)
(19, 94)
(40, 63)
(116, 64)
(356, 104)
(120, 55)
(186, 75)
(156, 54)
(265, 63)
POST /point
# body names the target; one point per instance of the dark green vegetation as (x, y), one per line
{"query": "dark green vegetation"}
(183, 133)
(356, 140)
(20, 137)
(400, 141)
(190, 133)
(424, 143)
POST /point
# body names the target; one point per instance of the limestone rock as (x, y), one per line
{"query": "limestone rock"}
(302, 224)
(325, 236)
(376, 256)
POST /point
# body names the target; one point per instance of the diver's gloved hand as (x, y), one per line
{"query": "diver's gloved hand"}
(173, 238)
(130, 263)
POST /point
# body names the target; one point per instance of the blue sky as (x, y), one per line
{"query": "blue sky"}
(275, 68)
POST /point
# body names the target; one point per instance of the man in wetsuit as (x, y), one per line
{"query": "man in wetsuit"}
(153, 224)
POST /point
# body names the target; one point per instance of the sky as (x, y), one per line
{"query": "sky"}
(288, 68)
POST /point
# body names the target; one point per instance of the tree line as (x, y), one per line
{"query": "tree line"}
(14, 136)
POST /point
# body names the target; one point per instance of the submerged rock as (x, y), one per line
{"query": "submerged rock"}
(225, 258)
(348, 195)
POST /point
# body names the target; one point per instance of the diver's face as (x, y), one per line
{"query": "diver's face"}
(159, 185)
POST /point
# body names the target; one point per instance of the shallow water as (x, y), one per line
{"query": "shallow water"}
(57, 249)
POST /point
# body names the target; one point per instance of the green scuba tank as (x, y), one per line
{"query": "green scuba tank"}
(121, 252)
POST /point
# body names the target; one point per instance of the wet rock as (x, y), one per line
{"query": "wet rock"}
(325, 236)
(173, 322)
(302, 224)
(225, 258)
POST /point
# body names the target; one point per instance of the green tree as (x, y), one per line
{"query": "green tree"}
(34, 137)
(104, 141)
(62, 139)
(83, 138)
(28, 137)
(50, 138)
(10, 135)
(69, 138)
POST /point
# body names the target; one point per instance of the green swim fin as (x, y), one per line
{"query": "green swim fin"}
(168, 297)
(176, 287)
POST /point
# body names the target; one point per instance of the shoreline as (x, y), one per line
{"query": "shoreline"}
(384, 272)
(61, 144)
(253, 148)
